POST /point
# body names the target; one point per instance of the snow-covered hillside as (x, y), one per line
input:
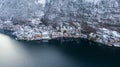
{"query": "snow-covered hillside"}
(29, 19)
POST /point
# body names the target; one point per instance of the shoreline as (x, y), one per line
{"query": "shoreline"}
(90, 38)
(70, 40)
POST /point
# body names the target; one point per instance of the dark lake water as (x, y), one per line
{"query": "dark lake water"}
(25, 54)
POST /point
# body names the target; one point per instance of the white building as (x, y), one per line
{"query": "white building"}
(45, 35)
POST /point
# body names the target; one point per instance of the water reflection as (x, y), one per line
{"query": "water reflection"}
(11, 52)
(22, 54)
(16, 54)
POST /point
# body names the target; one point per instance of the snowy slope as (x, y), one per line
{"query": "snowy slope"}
(88, 18)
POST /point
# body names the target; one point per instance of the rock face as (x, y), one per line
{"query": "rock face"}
(97, 20)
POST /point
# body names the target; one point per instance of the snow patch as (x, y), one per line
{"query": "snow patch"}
(95, 1)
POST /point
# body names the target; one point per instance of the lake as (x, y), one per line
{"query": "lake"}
(34, 54)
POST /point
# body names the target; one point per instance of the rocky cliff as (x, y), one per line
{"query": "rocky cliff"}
(97, 20)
